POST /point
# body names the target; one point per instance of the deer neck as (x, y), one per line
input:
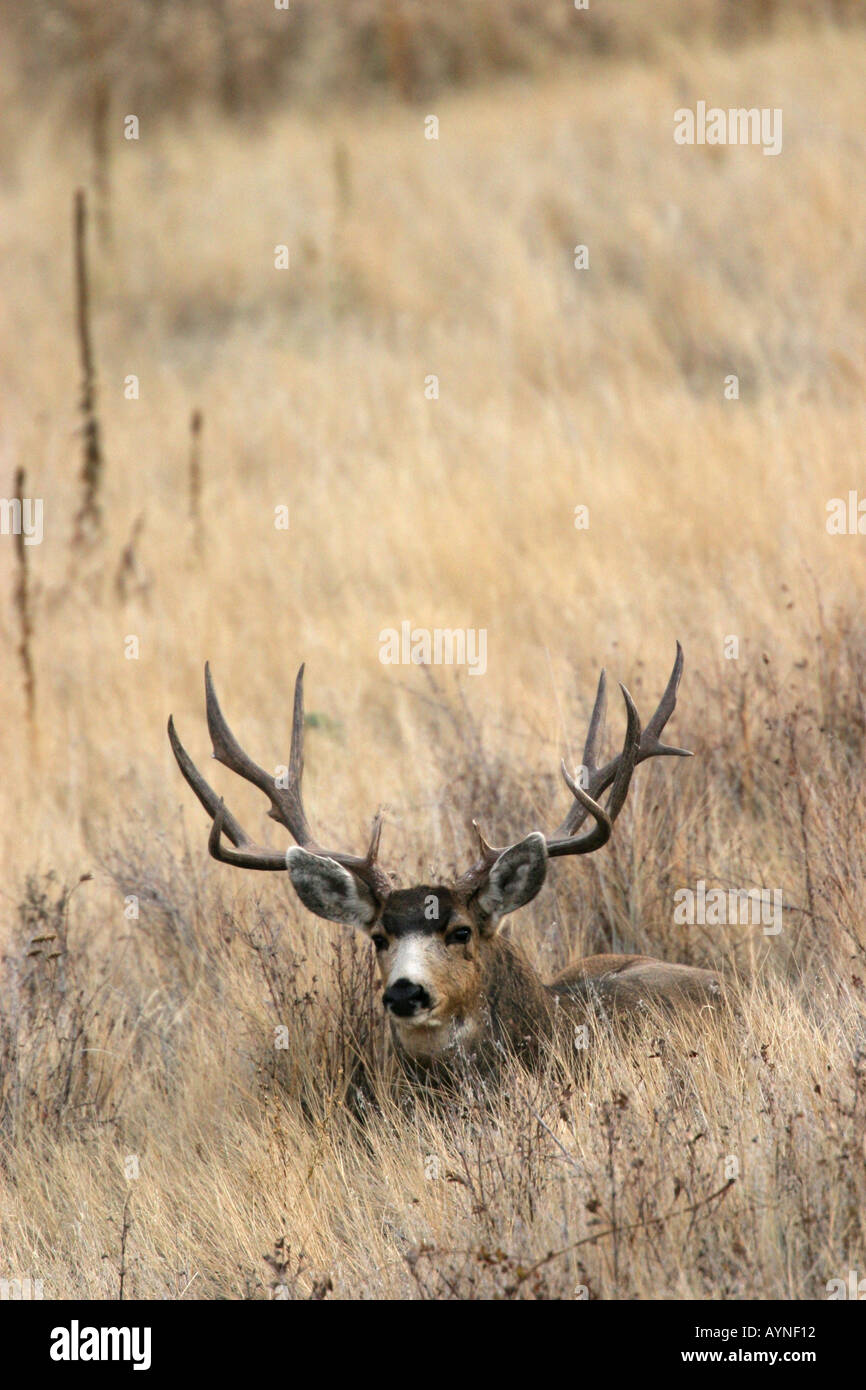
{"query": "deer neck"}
(517, 1007)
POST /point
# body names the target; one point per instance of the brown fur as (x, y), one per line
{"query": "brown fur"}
(489, 997)
(630, 982)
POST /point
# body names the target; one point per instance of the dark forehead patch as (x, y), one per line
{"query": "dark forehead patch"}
(421, 909)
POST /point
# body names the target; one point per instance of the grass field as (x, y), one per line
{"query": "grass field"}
(153, 1140)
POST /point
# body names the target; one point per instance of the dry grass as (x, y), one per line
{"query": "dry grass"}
(243, 56)
(153, 1037)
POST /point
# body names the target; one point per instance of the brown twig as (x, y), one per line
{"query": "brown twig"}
(23, 607)
(127, 1223)
(196, 421)
(88, 521)
(100, 112)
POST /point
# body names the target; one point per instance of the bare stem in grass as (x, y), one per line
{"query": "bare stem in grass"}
(130, 577)
(196, 421)
(124, 1235)
(88, 521)
(229, 83)
(397, 44)
(99, 136)
(803, 824)
(342, 178)
(24, 609)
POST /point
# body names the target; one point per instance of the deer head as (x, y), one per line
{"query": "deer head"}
(434, 943)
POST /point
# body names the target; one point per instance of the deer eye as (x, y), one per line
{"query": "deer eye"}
(460, 934)
(379, 941)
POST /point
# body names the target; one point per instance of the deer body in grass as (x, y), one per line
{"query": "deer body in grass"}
(453, 985)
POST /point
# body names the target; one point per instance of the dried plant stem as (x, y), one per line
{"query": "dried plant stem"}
(229, 85)
(397, 43)
(130, 577)
(23, 608)
(342, 178)
(99, 135)
(124, 1233)
(195, 425)
(88, 521)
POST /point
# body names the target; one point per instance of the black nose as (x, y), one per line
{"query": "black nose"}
(404, 998)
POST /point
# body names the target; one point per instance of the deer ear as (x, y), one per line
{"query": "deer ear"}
(329, 890)
(516, 876)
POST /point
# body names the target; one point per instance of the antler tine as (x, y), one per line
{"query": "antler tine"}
(563, 840)
(249, 855)
(246, 856)
(627, 759)
(286, 807)
(375, 836)
(205, 793)
(487, 854)
(603, 823)
(617, 774)
(595, 732)
(291, 795)
(650, 745)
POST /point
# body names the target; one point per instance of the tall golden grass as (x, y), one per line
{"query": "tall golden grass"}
(152, 1038)
(243, 56)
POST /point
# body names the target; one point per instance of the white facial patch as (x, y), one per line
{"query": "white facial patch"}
(412, 960)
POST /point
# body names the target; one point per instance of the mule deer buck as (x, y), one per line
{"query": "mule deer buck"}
(452, 985)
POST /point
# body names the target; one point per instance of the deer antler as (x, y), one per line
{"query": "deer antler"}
(287, 805)
(616, 774)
